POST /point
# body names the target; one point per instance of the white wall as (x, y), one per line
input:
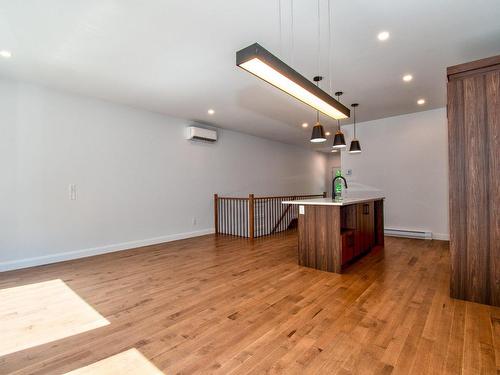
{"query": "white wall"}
(407, 158)
(138, 180)
(333, 163)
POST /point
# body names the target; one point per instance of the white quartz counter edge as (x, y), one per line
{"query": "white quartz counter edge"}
(328, 201)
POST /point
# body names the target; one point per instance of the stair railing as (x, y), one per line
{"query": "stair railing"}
(253, 217)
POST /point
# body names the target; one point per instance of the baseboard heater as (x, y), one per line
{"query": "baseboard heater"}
(408, 233)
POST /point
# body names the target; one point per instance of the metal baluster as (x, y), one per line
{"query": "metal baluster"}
(275, 219)
(232, 217)
(226, 217)
(239, 217)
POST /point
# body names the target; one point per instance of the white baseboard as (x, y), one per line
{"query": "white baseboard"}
(83, 253)
(441, 236)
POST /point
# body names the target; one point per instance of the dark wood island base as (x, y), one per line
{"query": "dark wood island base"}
(333, 236)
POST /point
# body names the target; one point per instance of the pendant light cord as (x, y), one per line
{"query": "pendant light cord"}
(319, 54)
(291, 32)
(338, 121)
(317, 112)
(319, 51)
(354, 122)
(330, 68)
(319, 40)
(279, 22)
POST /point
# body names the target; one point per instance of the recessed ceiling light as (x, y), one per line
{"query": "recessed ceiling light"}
(407, 77)
(5, 54)
(383, 35)
(305, 125)
(334, 150)
(211, 111)
(327, 133)
(421, 101)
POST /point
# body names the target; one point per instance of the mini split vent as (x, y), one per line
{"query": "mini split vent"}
(195, 133)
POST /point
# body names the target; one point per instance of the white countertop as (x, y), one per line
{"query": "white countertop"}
(352, 198)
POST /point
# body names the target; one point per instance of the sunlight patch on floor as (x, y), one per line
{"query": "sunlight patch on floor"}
(39, 313)
(129, 362)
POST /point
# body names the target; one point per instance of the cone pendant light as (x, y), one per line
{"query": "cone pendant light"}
(339, 140)
(355, 146)
(318, 133)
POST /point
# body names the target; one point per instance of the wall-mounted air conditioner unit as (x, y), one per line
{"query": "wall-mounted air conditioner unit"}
(195, 133)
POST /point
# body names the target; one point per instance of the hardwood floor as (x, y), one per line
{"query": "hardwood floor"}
(231, 306)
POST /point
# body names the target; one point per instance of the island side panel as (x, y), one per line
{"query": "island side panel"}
(321, 230)
(303, 248)
(333, 240)
(319, 238)
(379, 222)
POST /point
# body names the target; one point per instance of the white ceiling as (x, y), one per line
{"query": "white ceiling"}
(178, 57)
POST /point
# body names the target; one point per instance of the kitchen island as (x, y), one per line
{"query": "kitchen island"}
(334, 233)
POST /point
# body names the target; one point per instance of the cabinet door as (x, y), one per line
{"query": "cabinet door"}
(474, 170)
(493, 114)
(358, 233)
(348, 240)
(365, 236)
(370, 225)
(473, 108)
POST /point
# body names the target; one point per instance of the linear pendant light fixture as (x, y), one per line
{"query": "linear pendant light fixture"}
(339, 139)
(263, 64)
(355, 146)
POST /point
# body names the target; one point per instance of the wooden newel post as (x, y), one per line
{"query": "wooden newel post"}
(251, 215)
(216, 213)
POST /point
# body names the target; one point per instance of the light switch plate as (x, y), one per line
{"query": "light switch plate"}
(302, 210)
(72, 192)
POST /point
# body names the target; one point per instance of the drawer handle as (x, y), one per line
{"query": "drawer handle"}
(350, 241)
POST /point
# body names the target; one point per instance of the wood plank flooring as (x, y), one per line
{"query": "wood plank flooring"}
(226, 305)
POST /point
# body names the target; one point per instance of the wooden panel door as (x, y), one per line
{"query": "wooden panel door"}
(476, 187)
(370, 225)
(493, 129)
(456, 160)
(365, 228)
(359, 244)
(347, 246)
(474, 144)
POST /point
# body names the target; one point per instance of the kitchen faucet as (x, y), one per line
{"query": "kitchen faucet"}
(334, 193)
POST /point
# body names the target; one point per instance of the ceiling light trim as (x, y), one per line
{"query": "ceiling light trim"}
(5, 54)
(255, 56)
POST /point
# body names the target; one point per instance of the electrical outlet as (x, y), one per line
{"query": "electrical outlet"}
(72, 192)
